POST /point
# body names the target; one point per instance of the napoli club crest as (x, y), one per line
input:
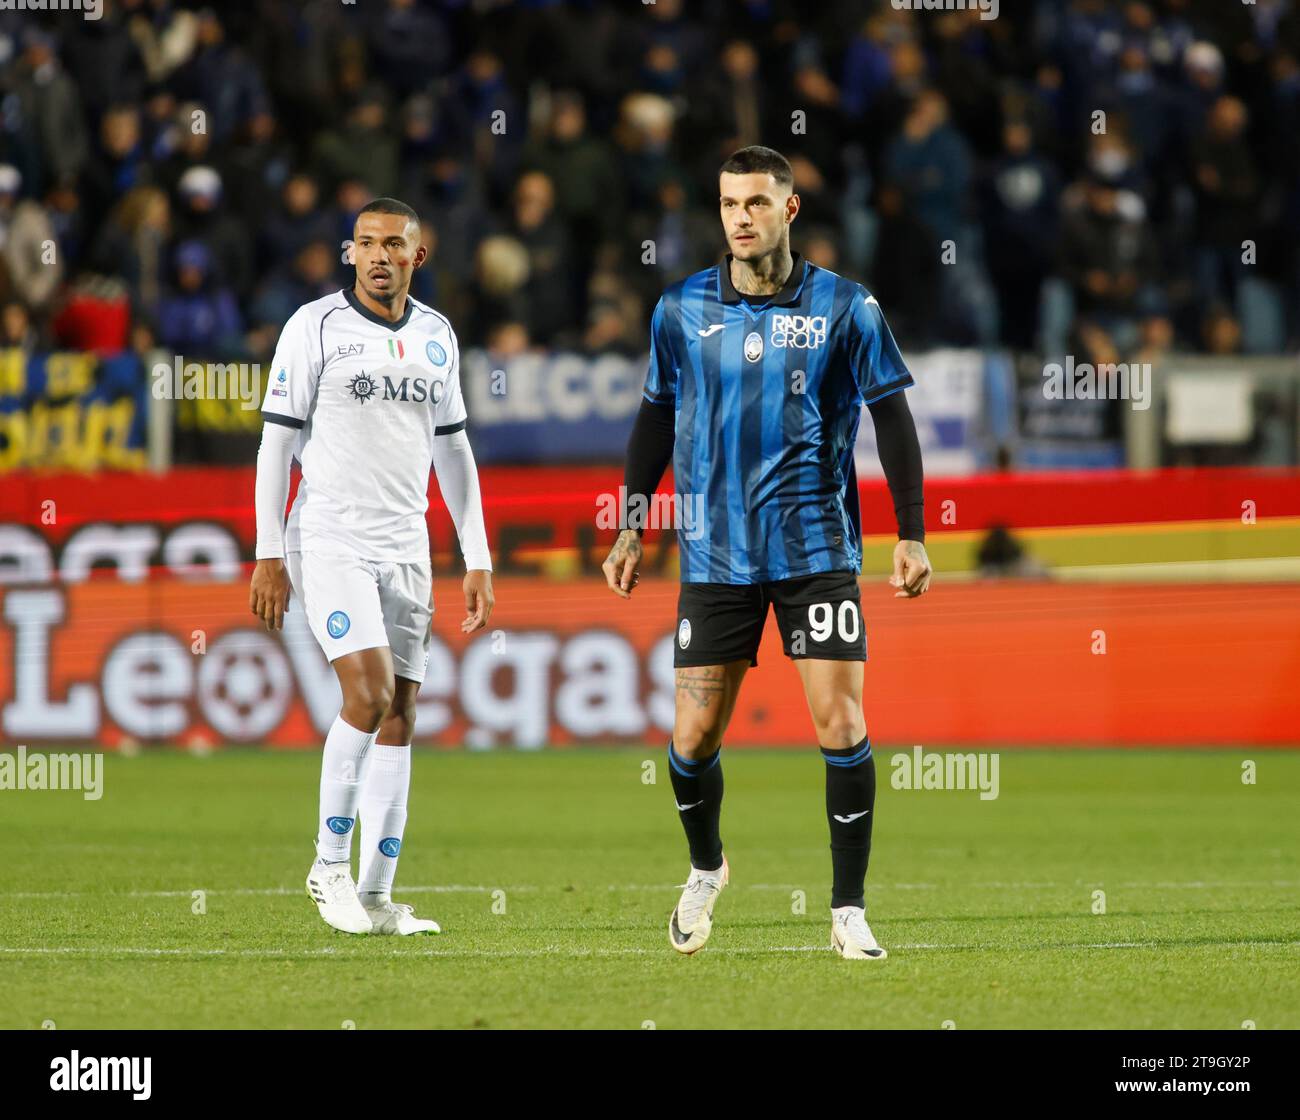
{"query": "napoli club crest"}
(753, 346)
(435, 353)
(338, 624)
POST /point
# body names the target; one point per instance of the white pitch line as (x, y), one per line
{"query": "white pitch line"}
(530, 888)
(110, 950)
(441, 888)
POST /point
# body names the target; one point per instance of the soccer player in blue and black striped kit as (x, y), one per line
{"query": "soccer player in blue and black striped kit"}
(759, 368)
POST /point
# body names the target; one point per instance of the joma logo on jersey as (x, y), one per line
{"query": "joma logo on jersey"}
(420, 390)
(801, 332)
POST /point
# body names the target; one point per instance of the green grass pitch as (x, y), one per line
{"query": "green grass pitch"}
(986, 906)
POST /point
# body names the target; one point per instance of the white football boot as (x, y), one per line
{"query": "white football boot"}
(692, 918)
(395, 918)
(851, 937)
(330, 886)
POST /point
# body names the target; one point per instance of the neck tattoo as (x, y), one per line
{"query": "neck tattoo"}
(764, 277)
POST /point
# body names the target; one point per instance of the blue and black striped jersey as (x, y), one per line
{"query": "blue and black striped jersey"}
(768, 392)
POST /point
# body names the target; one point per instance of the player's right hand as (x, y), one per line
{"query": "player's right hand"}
(268, 594)
(620, 566)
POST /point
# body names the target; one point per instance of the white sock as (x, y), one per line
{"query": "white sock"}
(383, 818)
(341, 773)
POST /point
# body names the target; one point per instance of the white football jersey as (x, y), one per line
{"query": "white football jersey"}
(367, 397)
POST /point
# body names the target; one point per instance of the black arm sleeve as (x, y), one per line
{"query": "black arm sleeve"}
(900, 455)
(648, 451)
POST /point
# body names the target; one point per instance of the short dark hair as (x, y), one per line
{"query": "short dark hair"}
(390, 206)
(757, 158)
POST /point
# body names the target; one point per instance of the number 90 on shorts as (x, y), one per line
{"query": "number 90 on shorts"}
(821, 617)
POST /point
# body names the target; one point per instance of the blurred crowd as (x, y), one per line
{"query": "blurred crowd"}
(1098, 176)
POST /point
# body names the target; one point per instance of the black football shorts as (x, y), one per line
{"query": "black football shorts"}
(819, 616)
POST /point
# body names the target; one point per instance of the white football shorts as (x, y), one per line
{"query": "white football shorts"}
(354, 604)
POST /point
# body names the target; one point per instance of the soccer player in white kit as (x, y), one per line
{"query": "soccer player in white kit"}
(365, 393)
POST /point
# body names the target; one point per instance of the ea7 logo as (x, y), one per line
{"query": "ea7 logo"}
(803, 332)
(351, 348)
(419, 390)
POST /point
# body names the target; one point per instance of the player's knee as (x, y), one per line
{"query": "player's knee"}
(368, 702)
(840, 727)
(399, 724)
(696, 743)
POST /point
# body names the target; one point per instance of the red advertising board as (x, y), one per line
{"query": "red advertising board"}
(565, 663)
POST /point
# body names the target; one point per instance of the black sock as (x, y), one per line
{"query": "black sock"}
(698, 789)
(850, 789)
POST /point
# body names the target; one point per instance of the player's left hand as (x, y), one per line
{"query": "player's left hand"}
(911, 570)
(479, 600)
